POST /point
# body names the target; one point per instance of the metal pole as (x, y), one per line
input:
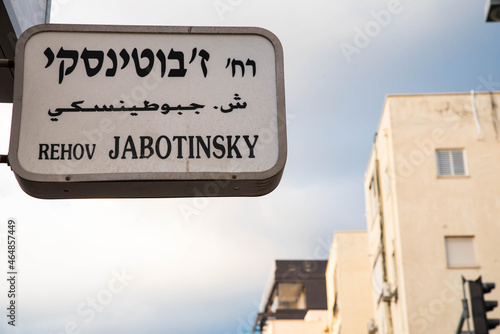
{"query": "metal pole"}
(465, 305)
(460, 324)
(6, 63)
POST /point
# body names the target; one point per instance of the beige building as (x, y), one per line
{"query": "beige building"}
(433, 209)
(347, 284)
(313, 323)
(432, 191)
(294, 300)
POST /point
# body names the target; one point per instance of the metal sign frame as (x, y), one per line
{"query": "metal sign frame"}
(157, 184)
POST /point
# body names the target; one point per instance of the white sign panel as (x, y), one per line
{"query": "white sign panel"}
(101, 104)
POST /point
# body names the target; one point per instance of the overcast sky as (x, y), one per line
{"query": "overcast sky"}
(205, 273)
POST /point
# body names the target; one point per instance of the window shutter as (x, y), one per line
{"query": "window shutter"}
(450, 162)
(460, 251)
(443, 162)
(458, 162)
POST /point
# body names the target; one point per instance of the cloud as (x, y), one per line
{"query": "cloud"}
(215, 261)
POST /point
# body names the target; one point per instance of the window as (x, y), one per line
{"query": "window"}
(451, 162)
(460, 251)
(290, 296)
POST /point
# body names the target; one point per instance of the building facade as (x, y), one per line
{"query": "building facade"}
(348, 290)
(432, 191)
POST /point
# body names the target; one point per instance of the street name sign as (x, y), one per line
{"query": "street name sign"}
(143, 111)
